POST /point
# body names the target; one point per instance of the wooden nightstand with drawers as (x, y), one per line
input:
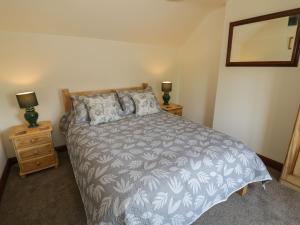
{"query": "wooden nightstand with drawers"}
(34, 147)
(172, 108)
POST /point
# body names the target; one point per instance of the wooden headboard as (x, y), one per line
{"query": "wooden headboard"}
(67, 94)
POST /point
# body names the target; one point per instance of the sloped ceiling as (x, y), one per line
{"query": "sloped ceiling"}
(163, 22)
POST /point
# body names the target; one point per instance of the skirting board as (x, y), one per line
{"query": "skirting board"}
(4, 178)
(271, 163)
(5, 173)
(268, 162)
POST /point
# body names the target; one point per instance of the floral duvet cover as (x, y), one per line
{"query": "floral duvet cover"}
(158, 169)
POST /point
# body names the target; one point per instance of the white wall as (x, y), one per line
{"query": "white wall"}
(198, 66)
(48, 63)
(257, 105)
(3, 158)
(159, 22)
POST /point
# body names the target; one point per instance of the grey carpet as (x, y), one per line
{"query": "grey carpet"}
(51, 197)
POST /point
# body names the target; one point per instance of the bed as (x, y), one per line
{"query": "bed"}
(155, 169)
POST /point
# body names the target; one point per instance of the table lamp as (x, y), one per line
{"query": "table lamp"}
(27, 100)
(166, 87)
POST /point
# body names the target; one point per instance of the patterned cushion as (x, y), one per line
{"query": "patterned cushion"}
(145, 103)
(81, 113)
(65, 122)
(80, 109)
(103, 108)
(127, 102)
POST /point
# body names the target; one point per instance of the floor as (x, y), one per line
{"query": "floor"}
(51, 197)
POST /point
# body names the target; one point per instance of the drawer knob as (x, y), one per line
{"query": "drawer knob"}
(36, 152)
(38, 163)
(32, 140)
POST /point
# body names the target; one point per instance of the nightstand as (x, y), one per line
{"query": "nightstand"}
(172, 108)
(34, 147)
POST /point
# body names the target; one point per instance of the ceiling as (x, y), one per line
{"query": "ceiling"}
(163, 22)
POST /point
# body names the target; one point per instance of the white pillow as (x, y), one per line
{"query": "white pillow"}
(103, 109)
(145, 103)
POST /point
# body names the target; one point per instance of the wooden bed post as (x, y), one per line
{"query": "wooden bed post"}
(243, 191)
(144, 85)
(67, 100)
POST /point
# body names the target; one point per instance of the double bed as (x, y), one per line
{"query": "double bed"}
(154, 169)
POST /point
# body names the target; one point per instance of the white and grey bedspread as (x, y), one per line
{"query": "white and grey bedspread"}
(157, 169)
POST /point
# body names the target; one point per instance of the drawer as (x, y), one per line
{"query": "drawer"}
(39, 163)
(35, 152)
(29, 141)
(177, 112)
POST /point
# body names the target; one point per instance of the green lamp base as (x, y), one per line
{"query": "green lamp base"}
(31, 117)
(166, 98)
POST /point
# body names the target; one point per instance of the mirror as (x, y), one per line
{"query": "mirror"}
(270, 40)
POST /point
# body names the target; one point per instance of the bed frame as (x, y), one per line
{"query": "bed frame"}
(68, 106)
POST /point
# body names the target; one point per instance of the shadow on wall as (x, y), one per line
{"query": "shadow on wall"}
(8, 148)
(3, 157)
(19, 114)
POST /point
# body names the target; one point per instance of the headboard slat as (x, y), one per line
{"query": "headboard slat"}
(67, 94)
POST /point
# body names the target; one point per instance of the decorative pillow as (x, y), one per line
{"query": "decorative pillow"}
(127, 102)
(80, 109)
(103, 108)
(145, 103)
(65, 121)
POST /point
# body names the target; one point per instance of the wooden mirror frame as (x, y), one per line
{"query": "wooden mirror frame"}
(295, 56)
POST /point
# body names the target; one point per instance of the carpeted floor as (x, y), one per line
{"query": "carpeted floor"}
(51, 197)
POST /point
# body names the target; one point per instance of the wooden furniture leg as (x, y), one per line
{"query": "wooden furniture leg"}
(243, 191)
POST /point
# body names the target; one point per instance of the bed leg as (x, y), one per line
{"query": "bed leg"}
(243, 191)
